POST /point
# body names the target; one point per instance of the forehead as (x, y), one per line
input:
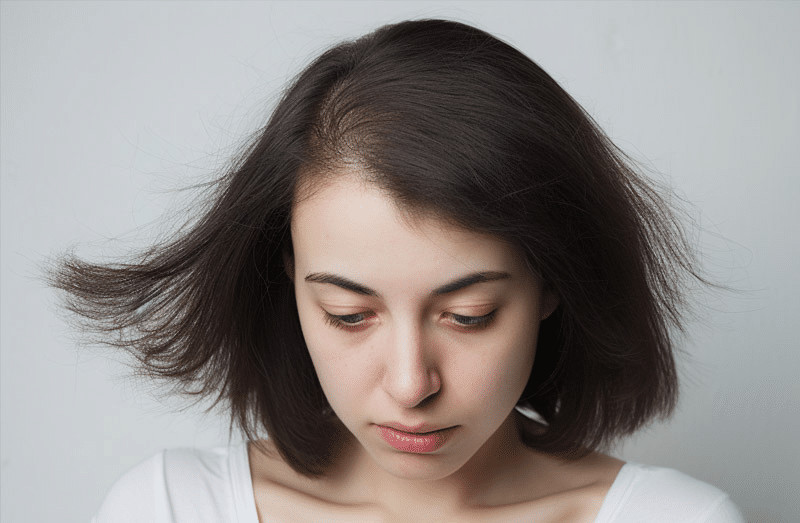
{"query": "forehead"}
(351, 226)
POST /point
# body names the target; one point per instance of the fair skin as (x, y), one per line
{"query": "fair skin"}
(413, 321)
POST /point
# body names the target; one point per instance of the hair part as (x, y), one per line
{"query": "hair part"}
(453, 122)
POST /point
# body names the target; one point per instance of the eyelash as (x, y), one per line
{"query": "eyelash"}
(465, 322)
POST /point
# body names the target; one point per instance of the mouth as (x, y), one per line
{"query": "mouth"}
(417, 430)
(421, 440)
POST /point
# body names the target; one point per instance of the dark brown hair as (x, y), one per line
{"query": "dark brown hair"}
(449, 120)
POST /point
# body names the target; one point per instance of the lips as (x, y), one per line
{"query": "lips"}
(418, 439)
(422, 428)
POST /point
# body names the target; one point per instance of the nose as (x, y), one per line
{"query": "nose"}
(410, 373)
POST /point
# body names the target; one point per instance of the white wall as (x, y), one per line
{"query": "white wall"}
(107, 106)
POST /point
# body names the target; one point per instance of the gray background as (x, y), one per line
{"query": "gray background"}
(108, 107)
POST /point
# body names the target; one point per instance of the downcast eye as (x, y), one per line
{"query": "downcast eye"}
(347, 321)
(351, 318)
(474, 322)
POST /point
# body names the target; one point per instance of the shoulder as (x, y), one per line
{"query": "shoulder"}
(655, 494)
(273, 476)
(176, 485)
(136, 495)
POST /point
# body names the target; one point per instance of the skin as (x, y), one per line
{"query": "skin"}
(404, 354)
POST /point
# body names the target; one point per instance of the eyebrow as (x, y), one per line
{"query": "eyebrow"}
(457, 284)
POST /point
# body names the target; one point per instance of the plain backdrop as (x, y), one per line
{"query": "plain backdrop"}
(109, 107)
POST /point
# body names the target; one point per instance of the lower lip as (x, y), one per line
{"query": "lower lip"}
(418, 443)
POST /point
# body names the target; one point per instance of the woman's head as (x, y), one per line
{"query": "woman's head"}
(420, 325)
(454, 128)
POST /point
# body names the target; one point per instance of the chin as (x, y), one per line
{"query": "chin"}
(420, 467)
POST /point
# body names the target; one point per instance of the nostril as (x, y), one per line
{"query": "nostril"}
(427, 401)
(412, 392)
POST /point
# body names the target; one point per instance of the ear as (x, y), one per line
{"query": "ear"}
(288, 263)
(549, 303)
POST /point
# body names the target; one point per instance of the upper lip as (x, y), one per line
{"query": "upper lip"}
(422, 428)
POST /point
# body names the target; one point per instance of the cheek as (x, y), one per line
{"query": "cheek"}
(338, 380)
(342, 373)
(500, 376)
(314, 334)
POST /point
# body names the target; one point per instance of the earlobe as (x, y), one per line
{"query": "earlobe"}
(549, 304)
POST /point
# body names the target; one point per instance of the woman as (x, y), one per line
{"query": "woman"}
(433, 284)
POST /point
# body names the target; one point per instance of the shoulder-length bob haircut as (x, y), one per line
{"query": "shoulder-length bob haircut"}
(450, 121)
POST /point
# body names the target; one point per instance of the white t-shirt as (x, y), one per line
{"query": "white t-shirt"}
(214, 485)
